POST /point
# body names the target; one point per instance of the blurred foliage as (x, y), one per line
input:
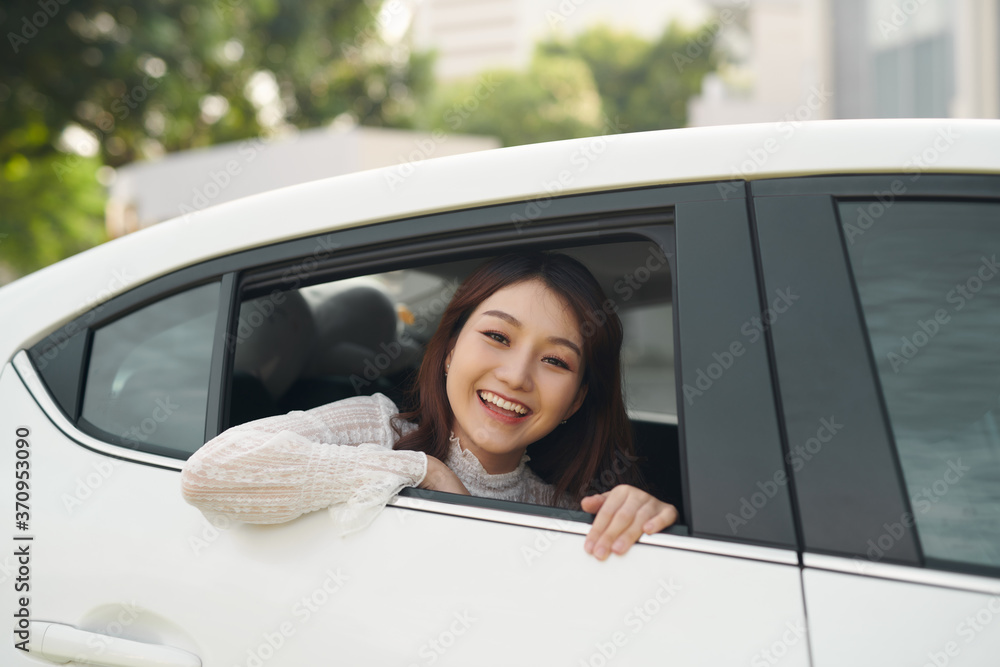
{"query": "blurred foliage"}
(140, 78)
(601, 81)
(37, 225)
(147, 77)
(556, 98)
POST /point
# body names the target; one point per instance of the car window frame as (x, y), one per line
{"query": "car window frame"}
(545, 222)
(788, 206)
(634, 215)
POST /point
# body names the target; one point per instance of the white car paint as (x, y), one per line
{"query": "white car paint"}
(157, 571)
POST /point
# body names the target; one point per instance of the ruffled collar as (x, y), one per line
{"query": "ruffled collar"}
(474, 476)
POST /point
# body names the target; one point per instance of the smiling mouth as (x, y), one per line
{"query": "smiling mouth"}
(504, 407)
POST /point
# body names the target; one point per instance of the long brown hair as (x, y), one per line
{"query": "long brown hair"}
(598, 437)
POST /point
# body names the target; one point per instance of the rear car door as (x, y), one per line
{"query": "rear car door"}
(111, 409)
(894, 342)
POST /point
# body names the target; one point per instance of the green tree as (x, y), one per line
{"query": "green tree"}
(145, 77)
(554, 99)
(38, 225)
(600, 81)
(644, 85)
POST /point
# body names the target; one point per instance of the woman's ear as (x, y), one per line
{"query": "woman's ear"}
(577, 402)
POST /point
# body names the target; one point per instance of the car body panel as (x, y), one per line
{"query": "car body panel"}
(858, 618)
(157, 571)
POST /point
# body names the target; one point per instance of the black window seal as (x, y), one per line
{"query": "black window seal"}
(513, 507)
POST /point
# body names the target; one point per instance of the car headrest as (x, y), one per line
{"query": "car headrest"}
(358, 331)
(274, 340)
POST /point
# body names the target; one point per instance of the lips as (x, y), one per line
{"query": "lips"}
(502, 405)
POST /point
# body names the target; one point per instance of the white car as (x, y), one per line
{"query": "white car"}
(812, 367)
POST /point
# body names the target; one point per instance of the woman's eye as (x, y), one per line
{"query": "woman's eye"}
(556, 361)
(497, 336)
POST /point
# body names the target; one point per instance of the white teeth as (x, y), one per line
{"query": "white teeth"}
(506, 405)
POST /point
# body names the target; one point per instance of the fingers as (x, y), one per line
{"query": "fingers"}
(591, 504)
(665, 517)
(622, 516)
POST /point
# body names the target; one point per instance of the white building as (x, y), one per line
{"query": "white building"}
(923, 58)
(781, 68)
(820, 59)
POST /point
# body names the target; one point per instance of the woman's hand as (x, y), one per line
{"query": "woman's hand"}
(440, 477)
(623, 514)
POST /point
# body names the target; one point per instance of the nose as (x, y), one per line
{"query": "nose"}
(516, 371)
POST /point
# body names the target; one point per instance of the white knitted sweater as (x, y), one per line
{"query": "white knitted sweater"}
(338, 456)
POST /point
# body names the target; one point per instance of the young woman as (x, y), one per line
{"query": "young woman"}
(518, 397)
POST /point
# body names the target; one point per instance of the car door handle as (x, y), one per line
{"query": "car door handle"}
(63, 643)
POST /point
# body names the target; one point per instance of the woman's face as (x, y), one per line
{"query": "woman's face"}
(514, 372)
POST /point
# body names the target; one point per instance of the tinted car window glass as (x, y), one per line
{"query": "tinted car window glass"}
(929, 282)
(147, 380)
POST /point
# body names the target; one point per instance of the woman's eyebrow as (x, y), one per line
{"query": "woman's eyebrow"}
(514, 322)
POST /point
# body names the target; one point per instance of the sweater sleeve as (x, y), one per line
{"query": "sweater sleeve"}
(272, 470)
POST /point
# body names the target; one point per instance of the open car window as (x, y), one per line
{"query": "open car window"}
(327, 341)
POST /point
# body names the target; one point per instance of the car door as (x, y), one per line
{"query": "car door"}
(119, 563)
(894, 343)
